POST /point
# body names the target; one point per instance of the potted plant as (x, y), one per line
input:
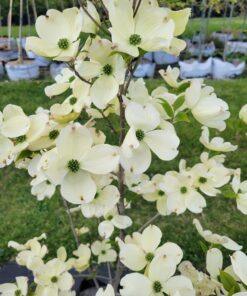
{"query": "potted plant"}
(21, 68)
(63, 150)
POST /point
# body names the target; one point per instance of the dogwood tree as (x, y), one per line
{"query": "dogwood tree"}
(65, 148)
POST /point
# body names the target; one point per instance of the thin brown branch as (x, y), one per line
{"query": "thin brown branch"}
(149, 222)
(137, 7)
(92, 18)
(112, 128)
(78, 75)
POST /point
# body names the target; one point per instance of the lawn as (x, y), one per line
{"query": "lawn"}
(215, 24)
(22, 217)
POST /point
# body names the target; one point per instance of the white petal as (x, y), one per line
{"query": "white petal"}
(105, 229)
(56, 89)
(78, 187)
(161, 269)
(214, 262)
(170, 250)
(121, 222)
(179, 283)
(132, 283)
(239, 264)
(150, 238)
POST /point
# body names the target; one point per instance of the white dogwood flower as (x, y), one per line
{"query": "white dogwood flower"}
(144, 136)
(20, 288)
(171, 76)
(205, 106)
(6, 151)
(159, 279)
(83, 254)
(53, 277)
(58, 34)
(108, 68)
(15, 123)
(108, 291)
(240, 188)
(138, 251)
(72, 161)
(243, 114)
(149, 30)
(104, 251)
(239, 264)
(217, 143)
(215, 238)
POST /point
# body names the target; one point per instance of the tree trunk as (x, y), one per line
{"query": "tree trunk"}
(62, 4)
(34, 9)
(28, 17)
(203, 28)
(20, 54)
(10, 23)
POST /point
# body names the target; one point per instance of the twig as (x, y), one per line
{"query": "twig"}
(137, 7)
(149, 222)
(92, 18)
(78, 75)
(112, 128)
(109, 272)
(131, 73)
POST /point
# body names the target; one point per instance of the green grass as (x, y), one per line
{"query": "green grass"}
(215, 24)
(22, 217)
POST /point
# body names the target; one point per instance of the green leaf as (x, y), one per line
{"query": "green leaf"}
(228, 192)
(228, 282)
(182, 88)
(178, 103)
(167, 107)
(182, 117)
(24, 154)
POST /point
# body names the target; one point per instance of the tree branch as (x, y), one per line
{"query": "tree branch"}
(78, 75)
(149, 222)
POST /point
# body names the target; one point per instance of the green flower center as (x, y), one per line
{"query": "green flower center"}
(63, 43)
(73, 100)
(73, 165)
(48, 182)
(149, 257)
(183, 190)
(157, 287)
(202, 180)
(103, 252)
(53, 134)
(18, 293)
(54, 279)
(161, 193)
(140, 135)
(20, 139)
(107, 69)
(109, 217)
(135, 39)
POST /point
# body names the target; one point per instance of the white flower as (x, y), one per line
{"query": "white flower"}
(241, 191)
(152, 192)
(214, 262)
(239, 264)
(205, 106)
(53, 277)
(217, 239)
(72, 161)
(109, 291)
(150, 29)
(58, 34)
(159, 279)
(217, 143)
(107, 67)
(139, 250)
(6, 151)
(113, 219)
(15, 123)
(88, 26)
(20, 288)
(104, 251)
(143, 137)
(243, 114)
(181, 194)
(171, 76)
(105, 199)
(82, 262)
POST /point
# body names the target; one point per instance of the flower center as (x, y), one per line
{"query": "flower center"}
(135, 39)
(20, 139)
(107, 69)
(161, 193)
(202, 180)
(157, 287)
(140, 135)
(63, 43)
(54, 279)
(18, 293)
(183, 190)
(73, 100)
(110, 217)
(103, 252)
(53, 134)
(73, 165)
(149, 257)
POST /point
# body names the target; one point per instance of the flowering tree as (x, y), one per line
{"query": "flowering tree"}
(64, 148)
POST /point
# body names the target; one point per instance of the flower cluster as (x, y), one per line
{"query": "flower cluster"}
(66, 147)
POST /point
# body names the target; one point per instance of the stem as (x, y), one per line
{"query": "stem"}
(20, 55)
(78, 75)
(92, 18)
(137, 7)
(72, 227)
(107, 120)
(109, 272)
(149, 222)
(10, 23)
